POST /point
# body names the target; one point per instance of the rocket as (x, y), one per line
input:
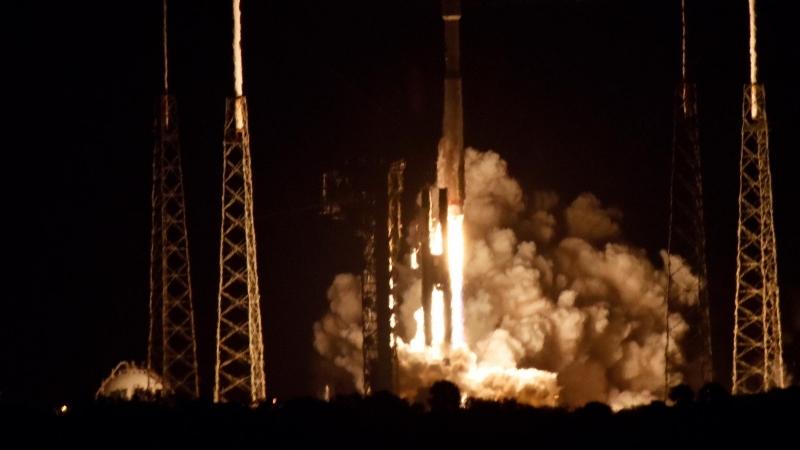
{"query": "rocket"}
(450, 163)
(447, 196)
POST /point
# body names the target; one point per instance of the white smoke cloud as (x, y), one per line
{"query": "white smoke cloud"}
(584, 321)
(492, 198)
(586, 219)
(541, 224)
(338, 336)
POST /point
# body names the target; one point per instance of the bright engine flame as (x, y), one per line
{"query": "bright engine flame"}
(455, 262)
(457, 362)
(437, 318)
(436, 245)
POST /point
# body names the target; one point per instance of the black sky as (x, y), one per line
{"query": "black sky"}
(576, 95)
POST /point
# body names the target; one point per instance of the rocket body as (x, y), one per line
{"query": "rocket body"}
(441, 273)
(450, 163)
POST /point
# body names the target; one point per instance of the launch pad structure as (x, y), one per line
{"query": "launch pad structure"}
(757, 341)
(758, 345)
(172, 348)
(239, 375)
(687, 238)
(355, 195)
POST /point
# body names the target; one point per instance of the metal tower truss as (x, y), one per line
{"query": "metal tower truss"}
(369, 310)
(240, 349)
(355, 196)
(395, 228)
(687, 240)
(172, 346)
(757, 345)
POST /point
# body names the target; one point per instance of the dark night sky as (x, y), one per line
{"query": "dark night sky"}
(576, 95)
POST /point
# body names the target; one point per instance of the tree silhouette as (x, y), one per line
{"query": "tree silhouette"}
(444, 396)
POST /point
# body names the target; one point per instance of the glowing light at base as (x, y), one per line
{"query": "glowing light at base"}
(422, 366)
(417, 344)
(455, 263)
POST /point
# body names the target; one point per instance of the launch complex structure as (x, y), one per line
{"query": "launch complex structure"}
(172, 348)
(172, 354)
(355, 194)
(758, 363)
(687, 237)
(350, 195)
(757, 342)
(239, 374)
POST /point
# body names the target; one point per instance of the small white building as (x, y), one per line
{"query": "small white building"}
(127, 379)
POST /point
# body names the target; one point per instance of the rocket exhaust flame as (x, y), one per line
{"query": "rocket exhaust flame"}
(455, 260)
(237, 63)
(437, 317)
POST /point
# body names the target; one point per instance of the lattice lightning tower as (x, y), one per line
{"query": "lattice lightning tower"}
(240, 349)
(687, 239)
(172, 347)
(757, 343)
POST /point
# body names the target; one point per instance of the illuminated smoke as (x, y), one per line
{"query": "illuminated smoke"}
(338, 336)
(566, 316)
(237, 63)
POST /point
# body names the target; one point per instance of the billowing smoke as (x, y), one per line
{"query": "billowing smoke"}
(566, 315)
(337, 336)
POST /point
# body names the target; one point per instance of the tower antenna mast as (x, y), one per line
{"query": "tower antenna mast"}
(239, 375)
(687, 239)
(757, 342)
(172, 348)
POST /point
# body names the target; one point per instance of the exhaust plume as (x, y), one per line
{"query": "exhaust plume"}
(564, 316)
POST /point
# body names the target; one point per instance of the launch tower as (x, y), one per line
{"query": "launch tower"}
(757, 344)
(172, 352)
(687, 236)
(240, 349)
(356, 194)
